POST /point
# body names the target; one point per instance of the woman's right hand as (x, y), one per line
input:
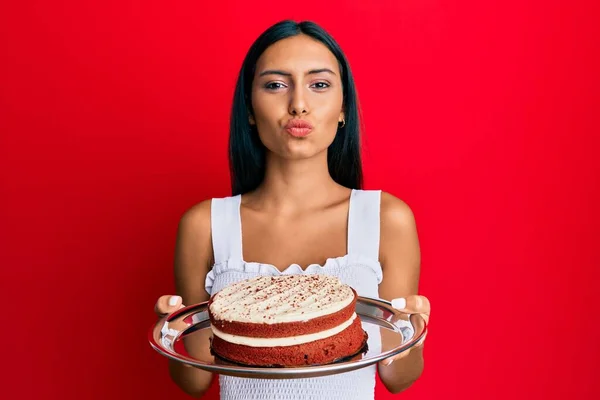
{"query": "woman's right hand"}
(167, 304)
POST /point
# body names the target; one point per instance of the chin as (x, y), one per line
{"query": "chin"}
(303, 151)
(298, 149)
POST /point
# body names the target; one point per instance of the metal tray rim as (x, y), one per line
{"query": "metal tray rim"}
(157, 333)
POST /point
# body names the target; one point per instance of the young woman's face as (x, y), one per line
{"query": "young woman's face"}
(297, 79)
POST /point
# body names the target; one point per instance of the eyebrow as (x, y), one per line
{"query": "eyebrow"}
(284, 73)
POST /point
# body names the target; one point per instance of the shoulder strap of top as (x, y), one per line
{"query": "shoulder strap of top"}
(364, 223)
(226, 228)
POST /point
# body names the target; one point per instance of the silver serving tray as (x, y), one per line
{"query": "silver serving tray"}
(184, 336)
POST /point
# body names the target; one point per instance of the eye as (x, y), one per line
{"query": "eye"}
(274, 85)
(320, 85)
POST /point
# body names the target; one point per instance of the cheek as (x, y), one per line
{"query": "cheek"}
(263, 102)
(267, 113)
(331, 118)
(329, 107)
(266, 119)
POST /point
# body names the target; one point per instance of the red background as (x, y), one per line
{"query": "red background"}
(113, 121)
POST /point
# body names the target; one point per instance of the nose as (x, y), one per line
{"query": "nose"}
(298, 104)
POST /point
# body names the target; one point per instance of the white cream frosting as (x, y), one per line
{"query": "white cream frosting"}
(284, 298)
(282, 341)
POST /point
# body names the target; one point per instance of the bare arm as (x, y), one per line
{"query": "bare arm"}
(193, 255)
(400, 258)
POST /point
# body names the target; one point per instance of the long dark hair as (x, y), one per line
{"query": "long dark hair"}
(246, 151)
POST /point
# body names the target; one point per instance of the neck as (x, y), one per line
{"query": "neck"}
(291, 185)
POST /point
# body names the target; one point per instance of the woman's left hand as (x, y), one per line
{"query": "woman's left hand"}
(415, 304)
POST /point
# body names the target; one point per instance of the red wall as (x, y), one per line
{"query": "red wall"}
(113, 121)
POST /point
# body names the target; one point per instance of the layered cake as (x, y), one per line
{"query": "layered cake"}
(286, 320)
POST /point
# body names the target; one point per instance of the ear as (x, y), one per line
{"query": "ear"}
(251, 119)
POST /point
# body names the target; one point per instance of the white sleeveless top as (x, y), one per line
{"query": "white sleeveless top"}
(359, 268)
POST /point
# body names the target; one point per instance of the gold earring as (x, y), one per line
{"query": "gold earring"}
(343, 123)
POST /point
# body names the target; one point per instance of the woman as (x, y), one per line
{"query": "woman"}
(297, 207)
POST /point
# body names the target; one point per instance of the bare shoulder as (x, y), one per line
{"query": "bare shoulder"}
(194, 232)
(396, 215)
(399, 249)
(193, 252)
(197, 217)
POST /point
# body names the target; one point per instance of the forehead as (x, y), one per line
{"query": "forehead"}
(297, 54)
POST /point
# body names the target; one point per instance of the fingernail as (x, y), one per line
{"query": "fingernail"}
(390, 363)
(399, 303)
(173, 300)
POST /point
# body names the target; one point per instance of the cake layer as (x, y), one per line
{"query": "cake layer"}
(347, 343)
(282, 341)
(281, 299)
(285, 329)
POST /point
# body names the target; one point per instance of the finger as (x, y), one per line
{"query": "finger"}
(413, 305)
(167, 304)
(397, 357)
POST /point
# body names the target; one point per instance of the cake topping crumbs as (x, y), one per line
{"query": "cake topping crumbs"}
(283, 298)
